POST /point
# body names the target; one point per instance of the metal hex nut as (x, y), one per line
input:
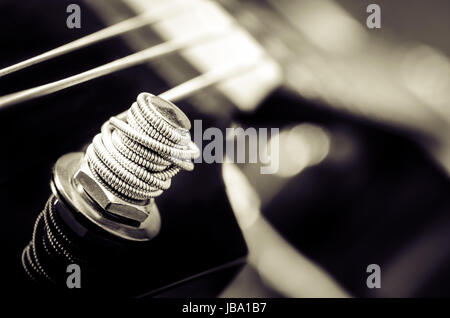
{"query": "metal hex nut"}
(107, 200)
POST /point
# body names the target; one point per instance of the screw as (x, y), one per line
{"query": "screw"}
(107, 200)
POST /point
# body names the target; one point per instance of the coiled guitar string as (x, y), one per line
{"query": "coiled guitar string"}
(50, 244)
(135, 156)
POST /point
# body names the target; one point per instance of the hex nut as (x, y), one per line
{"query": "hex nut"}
(107, 200)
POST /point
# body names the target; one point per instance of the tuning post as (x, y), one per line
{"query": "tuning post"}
(114, 184)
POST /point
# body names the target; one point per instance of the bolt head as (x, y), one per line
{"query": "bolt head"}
(170, 112)
(107, 200)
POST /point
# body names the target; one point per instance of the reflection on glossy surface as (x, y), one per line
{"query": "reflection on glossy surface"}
(301, 146)
(279, 264)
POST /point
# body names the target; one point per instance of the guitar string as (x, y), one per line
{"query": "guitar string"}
(140, 57)
(183, 90)
(122, 27)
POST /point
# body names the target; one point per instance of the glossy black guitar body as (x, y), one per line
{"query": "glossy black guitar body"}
(200, 245)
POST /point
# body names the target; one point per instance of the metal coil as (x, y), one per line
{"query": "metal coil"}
(136, 155)
(50, 246)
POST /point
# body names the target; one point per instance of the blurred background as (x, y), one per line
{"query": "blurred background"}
(363, 116)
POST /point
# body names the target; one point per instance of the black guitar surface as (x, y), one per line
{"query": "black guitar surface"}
(200, 245)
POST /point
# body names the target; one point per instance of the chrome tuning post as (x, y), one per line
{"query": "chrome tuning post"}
(112, 187)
